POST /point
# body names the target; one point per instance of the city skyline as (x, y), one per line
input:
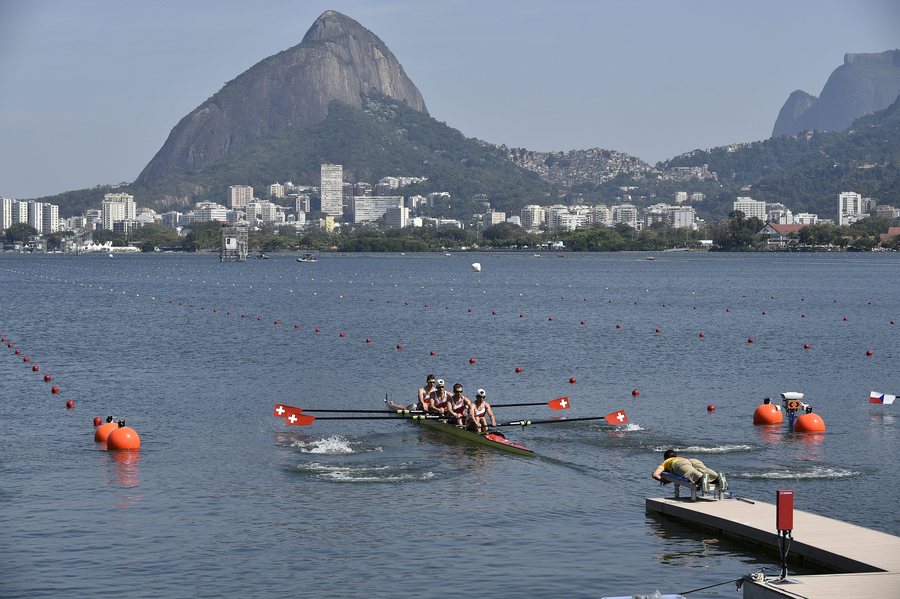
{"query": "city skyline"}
(95, 86)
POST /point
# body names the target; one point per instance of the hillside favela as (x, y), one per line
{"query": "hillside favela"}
(325, 344)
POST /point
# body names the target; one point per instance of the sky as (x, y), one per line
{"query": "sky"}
(90, 89)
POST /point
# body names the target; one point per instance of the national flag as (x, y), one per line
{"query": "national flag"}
(283, 411)
(560, 403)
(881, 398)
(617, 418)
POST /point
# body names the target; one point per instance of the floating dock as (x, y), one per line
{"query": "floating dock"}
(867, 561)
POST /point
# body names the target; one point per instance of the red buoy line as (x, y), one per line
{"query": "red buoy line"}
(368, 340)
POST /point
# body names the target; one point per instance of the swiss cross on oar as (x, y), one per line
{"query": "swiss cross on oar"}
(292, 415)
(617, 418)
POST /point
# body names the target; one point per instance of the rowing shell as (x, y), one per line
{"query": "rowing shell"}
(492, 439)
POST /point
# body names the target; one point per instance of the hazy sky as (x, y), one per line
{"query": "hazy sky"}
(89, 89)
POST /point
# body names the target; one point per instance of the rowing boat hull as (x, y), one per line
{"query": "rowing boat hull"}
(489, 440)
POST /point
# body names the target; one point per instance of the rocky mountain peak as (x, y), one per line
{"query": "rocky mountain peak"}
(338, 60)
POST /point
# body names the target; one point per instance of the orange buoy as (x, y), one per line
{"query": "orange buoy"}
(18, 351)
(104, 430)
(70, 404)
(97, 421)
(710, 408)
(809, 423)
(767, 414)
(750, 340)
(471, 360)
(635, 392)
(123, 438)
(54, 390)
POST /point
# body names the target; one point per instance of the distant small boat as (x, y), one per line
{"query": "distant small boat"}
(446, 253)
(307, 258)
(649, 258)
(262, 256)
(476, 266)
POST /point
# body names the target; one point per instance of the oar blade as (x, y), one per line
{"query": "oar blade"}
(560, 403)
(617, 417)
(283, 411)
(298, 419)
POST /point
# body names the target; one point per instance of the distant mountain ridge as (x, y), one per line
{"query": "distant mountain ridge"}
(864, 84)
(338, 60)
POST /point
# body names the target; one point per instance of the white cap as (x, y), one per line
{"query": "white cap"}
(480, 393)
(440, 382)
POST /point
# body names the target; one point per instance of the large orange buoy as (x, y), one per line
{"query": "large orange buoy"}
(122, 438)
(809, 423)
(767, 414)
(103, 431)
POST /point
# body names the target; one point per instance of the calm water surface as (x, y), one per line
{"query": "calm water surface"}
(225, 500)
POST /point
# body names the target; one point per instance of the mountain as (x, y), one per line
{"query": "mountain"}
(338, 60)
(864, 84)
(808, 171)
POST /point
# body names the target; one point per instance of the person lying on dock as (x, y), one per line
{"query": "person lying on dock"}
(479, 410)
(425, 394)
(459, 405)
(690, 468)
(439, 399)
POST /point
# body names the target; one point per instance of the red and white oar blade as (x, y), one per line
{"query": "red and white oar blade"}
(283, 411)
(560, 403)
(298, 419)
(617, 418)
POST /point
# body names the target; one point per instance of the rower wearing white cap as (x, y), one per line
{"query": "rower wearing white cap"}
(440, 399)
(479, 411)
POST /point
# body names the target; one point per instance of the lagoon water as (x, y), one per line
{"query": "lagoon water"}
(225, 500)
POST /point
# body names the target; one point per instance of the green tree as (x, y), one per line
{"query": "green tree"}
(20, 232)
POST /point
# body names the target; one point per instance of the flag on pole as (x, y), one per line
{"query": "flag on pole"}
(617, 418)
(882, 398)
(560, 403)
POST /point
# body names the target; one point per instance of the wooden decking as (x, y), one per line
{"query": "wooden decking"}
(818, 542)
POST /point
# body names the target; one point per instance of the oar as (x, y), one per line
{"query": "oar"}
(298, 419)
(560, 403)
(385, 411)
(524, 423)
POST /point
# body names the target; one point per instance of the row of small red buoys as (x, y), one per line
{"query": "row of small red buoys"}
(54, 390)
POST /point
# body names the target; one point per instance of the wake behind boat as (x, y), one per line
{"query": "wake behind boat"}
(493, 439)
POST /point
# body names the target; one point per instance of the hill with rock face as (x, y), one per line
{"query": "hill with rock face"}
(338, 60)
(864, 84)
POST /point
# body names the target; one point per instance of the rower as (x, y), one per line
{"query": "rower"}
(425, 394)
(439, 399)
(459, 405)
(479, 410)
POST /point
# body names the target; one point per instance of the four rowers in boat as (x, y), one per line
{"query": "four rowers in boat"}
(433, 398)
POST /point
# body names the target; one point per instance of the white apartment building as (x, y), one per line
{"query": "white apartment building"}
(850, 208)
(751, 208)
(367, 209)
(601, 215)
(697, 197)
(805, 218)
(493, 217)
(50, 222)
(240, 195)
(331, 189)
(626, 214)
(206, 212)
(397, 218)
(681, 197)
(172, 219)
(681, 217)
(264, 211)
(20, 212)
(779, 213)
(6, 213)
(116, 207)
(93, 218)
(533, 217)
(301, 204)
(36, 215)
(276, 190)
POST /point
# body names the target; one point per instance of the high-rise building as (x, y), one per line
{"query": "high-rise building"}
(276, 190)
(51, 219)
(240, 195)
(301, 204)
(751, 208)
(116, 207)
(397, 218)
(850, 208)
(626, 214)
(19, 212)
(6, 213)
(36, 215)
(331, 189)
(681, 197)
(172, 219)
(493, 217)
(533, 216)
